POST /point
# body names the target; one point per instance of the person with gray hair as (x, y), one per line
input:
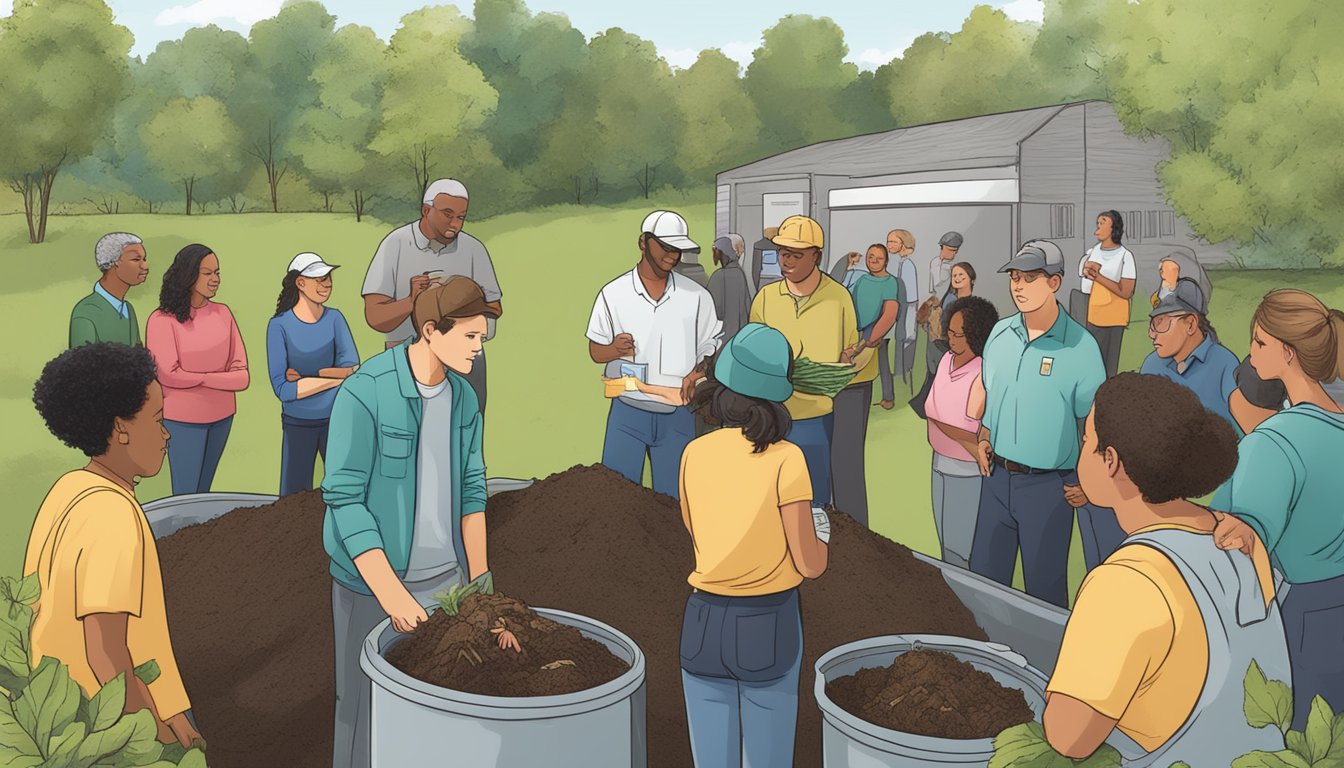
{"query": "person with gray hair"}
(728, 287)
(424, 253)
(105, 314)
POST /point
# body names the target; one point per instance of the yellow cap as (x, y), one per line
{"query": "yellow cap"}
(799, 232)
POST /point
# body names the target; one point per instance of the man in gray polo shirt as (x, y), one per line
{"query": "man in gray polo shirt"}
(426, 252)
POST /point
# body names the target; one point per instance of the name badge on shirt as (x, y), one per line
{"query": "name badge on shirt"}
(1047, 364)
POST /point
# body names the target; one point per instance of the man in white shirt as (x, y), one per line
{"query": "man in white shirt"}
(666, 325)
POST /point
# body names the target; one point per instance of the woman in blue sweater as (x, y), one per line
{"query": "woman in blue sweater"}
(309, 352)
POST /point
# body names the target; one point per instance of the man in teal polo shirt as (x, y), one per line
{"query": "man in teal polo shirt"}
(1041, 370)
(405, 489)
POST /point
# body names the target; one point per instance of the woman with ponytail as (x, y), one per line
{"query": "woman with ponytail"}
(309, 352)
(1286, 491)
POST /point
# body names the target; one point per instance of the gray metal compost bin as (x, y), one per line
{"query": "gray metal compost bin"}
(851, 742)
(602, 727)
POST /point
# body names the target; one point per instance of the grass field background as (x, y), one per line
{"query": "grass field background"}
(546, 409)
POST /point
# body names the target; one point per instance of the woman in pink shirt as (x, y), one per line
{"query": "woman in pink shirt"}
(952, 432)
(201, 362)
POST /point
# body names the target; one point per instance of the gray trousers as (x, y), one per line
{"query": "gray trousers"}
(956, 504)
(848, 480)
(1109, 340)
(354, 617)
(884, 367)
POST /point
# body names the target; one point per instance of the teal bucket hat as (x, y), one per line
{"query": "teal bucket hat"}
(755, 363)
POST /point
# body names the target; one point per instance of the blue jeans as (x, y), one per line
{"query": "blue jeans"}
(1100, 533)
(632, 434)
(813, 436)
(193, 453)
(740, 664)
(300, 443)
(1028, 512)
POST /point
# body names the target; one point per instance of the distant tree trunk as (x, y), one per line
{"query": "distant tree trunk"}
(578, 190)
(326, 201)
(264, 150)
(420, 166)
(48, 179)
(358, 204)
(187, 185)
(27, 188)
(645, 180)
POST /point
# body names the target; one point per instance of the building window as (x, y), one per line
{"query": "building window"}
(1061, 220)
(1167, 223)
(1150, 224)
(1134, 226)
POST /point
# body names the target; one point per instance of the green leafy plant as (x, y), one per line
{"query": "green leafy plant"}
(450, 601)
(812, 378)
(1266, 702)
(1024, 746)
(46, 720)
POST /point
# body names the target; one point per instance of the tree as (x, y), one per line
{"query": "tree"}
(331, 137)
(985, 67)
(63, 67)
(722, 129)
(536, 60)
(796, 79)
(434, 104)
(633, 119)
(284, 52)
(196, 142)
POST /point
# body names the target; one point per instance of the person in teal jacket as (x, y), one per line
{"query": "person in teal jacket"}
(404, 489)
(1285, 494)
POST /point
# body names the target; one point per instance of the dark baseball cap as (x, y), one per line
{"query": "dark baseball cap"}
(1187, 299)
(952, 240)
(458, 297)
(1037, 255)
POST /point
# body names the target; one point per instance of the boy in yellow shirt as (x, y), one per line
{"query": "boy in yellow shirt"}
(102, 610)
(1163, 632)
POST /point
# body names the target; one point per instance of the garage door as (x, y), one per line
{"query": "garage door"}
(987, 230)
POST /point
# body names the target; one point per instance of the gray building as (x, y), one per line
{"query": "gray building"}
(997, 179)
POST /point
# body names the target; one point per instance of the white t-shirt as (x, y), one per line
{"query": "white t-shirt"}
(672, 335)
(1116, 264)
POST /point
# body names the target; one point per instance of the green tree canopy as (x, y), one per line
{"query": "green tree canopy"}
(195, 142)
(796, 80)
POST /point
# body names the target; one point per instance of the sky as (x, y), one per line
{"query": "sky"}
(680, 30)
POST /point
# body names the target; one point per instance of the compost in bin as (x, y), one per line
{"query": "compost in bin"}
(931, 693)
(249, 606)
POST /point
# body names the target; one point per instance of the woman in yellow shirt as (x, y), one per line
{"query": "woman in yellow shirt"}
(1163, 632)
(102, 611)
(746, 499)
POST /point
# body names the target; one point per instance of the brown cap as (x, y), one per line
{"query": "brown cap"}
(458, 297)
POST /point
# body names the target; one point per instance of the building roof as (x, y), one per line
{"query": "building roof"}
(985, 141)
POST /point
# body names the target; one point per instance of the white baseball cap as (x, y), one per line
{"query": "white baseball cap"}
(670, 229)
(311, 265)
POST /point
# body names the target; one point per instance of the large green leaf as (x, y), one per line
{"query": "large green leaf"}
(50, 702)
(17, 748)
(1296, 741)
(176, 754)
(1284, 758)
(1025, 746)
(28, 590)
(61, 751)
(148, 672)
(133, 736)
(107, 704)
(193, 759)
(1319, 733)
(1337, 738)
(1267, 702)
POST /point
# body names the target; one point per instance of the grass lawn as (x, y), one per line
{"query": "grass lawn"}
(546, 408)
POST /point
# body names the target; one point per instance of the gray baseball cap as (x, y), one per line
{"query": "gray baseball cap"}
(1187, 299)
(1036, 255)
(952, 240)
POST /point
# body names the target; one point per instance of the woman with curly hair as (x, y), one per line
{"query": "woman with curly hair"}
(309, 352)
(1163, 632)
(952, 432)
(202, 363)
(1284, 498)
(101, 610)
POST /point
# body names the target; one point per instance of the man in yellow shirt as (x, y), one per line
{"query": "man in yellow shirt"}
(102, 610)
(1163, 632)
(817, 317)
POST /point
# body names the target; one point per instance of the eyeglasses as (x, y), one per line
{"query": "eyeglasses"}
(1027, 277)
(1163, 323)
